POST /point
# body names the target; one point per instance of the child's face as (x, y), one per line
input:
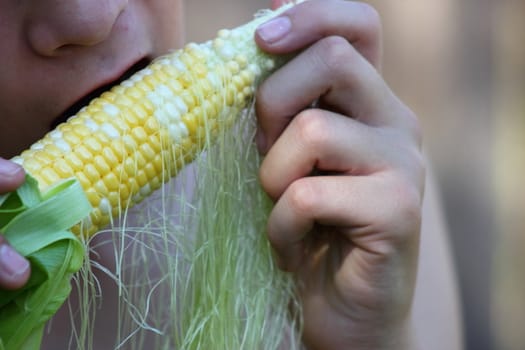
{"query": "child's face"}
(55, 52)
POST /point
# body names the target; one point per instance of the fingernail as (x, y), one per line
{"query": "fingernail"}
(275, 29)
(12, 264)
(8, 168)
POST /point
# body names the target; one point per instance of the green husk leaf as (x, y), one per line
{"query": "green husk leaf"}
(47, 221)
(37, 226)
(29, 193)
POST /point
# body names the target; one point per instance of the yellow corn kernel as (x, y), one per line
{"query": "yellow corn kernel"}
(91, 173)
(83, 153)
(111, 181)
(84, 181)
(147, 152)
(101, 165)
(49, 175)
(127, 142)
(63, 169)
(101, 188)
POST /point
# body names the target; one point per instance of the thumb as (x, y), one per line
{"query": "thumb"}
(14, 269)
(11, 175)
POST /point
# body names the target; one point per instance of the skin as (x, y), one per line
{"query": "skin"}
(350, 232)
(59, 51)
(347, 176)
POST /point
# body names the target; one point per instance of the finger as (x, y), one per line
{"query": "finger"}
(341, 78)
(306, 23)
(11, 175)
(318, 140)
(374, 214)
(14, 269)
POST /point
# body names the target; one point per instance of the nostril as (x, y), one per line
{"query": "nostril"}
(65, 49)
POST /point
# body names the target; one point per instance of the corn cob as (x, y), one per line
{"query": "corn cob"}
(129, 141)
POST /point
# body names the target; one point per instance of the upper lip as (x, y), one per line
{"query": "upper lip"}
(99, 89)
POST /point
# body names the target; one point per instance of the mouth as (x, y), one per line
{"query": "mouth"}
(83, 101)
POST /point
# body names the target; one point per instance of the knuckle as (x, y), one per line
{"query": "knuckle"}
(312, 128)
(408, 211)
(335, 53)
(408, 126)
(371, 16)
(302, 196)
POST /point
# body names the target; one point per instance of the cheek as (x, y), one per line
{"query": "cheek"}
(27, 119)
(166, 19)
(17, 95)
(30, 99)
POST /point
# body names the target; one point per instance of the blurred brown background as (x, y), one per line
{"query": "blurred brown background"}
(461, 66)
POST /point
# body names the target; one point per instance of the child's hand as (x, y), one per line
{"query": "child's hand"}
(14, 269)
(347, 176)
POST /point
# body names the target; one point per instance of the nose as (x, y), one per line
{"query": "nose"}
(56, 26)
